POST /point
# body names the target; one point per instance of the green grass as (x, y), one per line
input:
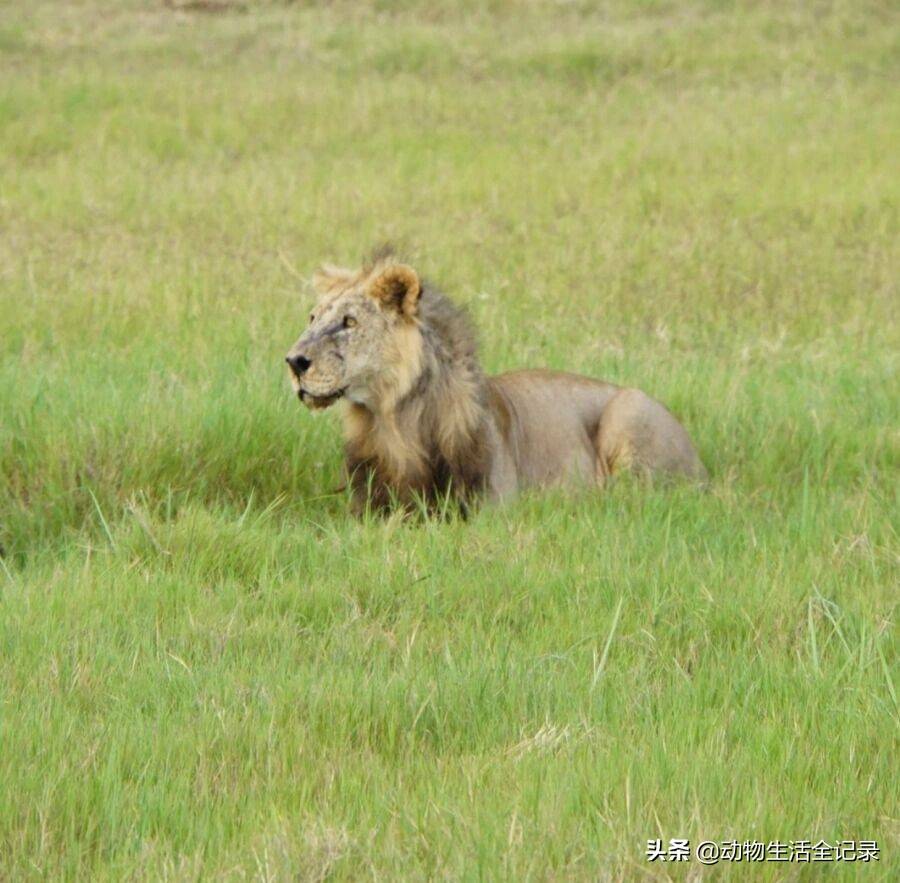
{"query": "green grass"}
(209, 670)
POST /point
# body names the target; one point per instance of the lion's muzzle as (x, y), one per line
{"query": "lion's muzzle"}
(319, 402)
(298, 363)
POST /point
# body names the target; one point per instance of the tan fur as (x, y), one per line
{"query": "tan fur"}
(397, 285)
(422, 421)
(403, 365)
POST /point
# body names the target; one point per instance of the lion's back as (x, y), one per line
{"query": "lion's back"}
(547, 421)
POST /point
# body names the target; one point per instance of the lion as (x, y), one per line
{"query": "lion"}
(423, 422)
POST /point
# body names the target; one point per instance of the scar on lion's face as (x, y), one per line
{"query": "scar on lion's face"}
(362, 334)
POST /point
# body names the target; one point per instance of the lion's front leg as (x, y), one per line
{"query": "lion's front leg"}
(368, 491)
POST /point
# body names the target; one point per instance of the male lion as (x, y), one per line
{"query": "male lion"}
(423, 422)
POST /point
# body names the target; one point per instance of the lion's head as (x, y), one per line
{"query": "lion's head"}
(363, 339)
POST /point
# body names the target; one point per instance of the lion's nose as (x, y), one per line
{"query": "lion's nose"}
(298, 364)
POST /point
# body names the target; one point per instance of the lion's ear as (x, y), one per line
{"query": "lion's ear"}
(328, 277)
(397, 286)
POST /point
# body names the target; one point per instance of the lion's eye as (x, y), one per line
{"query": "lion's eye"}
(312, 318)
(349, 322)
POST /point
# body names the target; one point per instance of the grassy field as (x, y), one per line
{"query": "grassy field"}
(208, 670)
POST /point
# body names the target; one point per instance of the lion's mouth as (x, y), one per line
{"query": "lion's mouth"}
(320, 402)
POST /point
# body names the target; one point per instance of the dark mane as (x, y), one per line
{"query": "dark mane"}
(441, 445)
(450, 334)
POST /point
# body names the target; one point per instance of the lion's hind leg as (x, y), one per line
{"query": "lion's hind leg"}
(638, 434)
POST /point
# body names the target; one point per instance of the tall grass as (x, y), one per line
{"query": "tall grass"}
(210, 670)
